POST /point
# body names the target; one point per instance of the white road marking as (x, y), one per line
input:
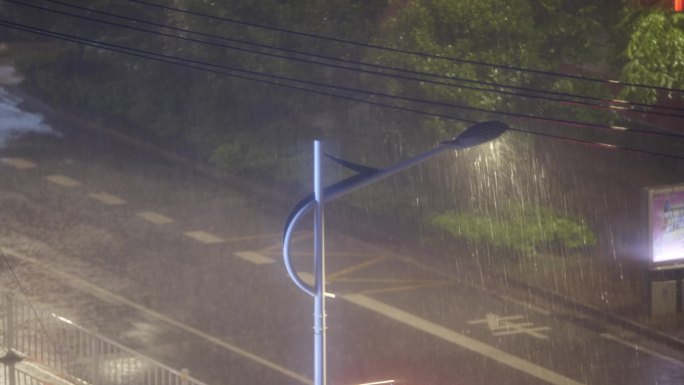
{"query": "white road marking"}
(642, 349)
(108, 199)
(108, 296)
(525, 304)
(460, 340)
(307, 278)
(63, 181)
(155, 218)
(492, 318)
(204, 237)
(504, 326)
(456, 278)
(524, 329)
(254, 257)
(19, 163)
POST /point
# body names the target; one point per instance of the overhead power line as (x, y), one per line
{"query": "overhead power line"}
(612, 104)
(606, 146)
(338, 87)
(196, 66)
(407, 52)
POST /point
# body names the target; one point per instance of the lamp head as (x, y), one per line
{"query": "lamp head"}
(478, 133)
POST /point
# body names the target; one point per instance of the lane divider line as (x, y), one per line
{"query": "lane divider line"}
(456, 278)
(253, 257)
(204, 237)
(19, 163)
(396, 289)
(63, 181)
(459, 339)
(108, 199)
(358, 266)
(156, 218)
(108, 296)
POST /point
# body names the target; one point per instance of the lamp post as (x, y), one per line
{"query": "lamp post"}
(477, 134)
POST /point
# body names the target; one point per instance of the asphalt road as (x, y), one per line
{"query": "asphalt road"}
(187, 269)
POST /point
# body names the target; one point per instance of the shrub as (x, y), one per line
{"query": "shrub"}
(523, 228)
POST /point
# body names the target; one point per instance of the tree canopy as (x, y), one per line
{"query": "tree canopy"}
(241, 85)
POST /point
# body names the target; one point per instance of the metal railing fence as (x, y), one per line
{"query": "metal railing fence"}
(11, 375)
(74, 353)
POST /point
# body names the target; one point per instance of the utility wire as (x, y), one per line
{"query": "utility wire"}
(130, 52)
(595, 144)
(174, 59)
(407, 99)
(383, 94)
(179, 62)
(406, 52)
(612, 104)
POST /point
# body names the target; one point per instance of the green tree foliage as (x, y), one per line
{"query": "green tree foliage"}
(523, 228)
(223, 120)
(208, 114)
(539, 34)
(654, 53)
(249, 127)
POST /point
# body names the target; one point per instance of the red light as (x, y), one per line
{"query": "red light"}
(679, 5)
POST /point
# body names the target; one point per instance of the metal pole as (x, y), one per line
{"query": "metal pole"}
(319, 271)
(472, 136)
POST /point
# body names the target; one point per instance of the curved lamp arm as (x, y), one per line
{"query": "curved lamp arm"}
(302, 208)
(477, 134)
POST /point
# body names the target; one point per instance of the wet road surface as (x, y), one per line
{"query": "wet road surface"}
(187, 269)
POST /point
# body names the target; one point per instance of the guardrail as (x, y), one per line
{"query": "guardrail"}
(71, 352)
(24, 372)
(9, 374)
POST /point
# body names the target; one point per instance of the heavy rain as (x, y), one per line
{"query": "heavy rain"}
(153, 153)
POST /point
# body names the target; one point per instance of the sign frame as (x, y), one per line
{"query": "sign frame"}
(665, 217)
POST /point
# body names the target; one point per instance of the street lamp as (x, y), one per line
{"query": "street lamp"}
(477, 134)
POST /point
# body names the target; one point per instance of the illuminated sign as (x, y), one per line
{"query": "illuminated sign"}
(666, 223)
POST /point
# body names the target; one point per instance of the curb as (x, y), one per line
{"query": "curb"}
(593, 311)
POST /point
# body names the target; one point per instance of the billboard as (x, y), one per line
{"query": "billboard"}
(666, 223)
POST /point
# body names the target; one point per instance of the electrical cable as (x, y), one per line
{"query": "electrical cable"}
(596, 144)
(382, 94)
(267, 82)
(406, 52)
(133, 52)
(612, 104)
(403, 98)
